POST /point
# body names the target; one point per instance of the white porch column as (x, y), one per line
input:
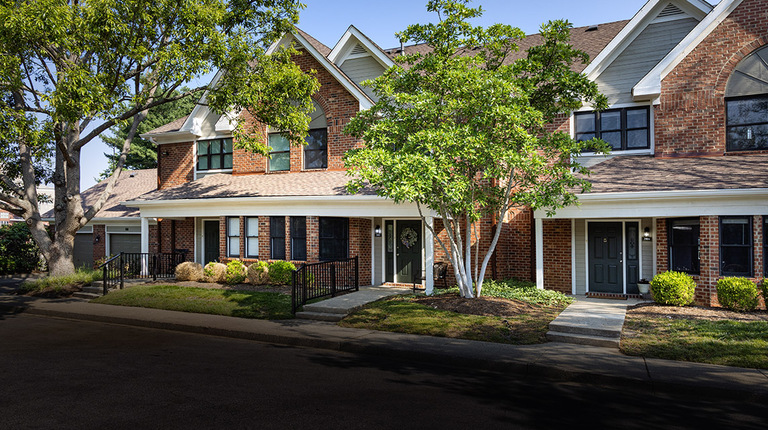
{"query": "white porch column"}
(539, 225)
(429, 254)
(144, 234)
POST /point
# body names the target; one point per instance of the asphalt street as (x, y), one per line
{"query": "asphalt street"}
(59, 373)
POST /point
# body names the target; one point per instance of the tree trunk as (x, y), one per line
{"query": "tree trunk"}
(60, 260)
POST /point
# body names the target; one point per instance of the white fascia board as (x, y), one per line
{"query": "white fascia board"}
(201, 109)
(170, 137)
(666, 204)
(346, 83)
(111, 221)
(650, 85)
(350, 38)
(347, 206)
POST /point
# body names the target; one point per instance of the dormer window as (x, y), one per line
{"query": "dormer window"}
(623, 129)
(746, 104)
(215, 154)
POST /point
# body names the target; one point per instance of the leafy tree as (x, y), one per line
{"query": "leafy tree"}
(18, 253)
(72, 70)
(143, 153)
(462, 129)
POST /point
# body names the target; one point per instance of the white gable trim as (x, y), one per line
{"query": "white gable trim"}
(353, 36)
(363, 100)
(645, 16)
(650, 85)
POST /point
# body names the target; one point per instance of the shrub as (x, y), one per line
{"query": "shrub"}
(189, 271)
(80, 278)
(236, 272)
(764, 288)
(280, 272)
(524, 291)
(215, 272)
(738, 294)
(258, 273)
(673, 288)
(18, 252)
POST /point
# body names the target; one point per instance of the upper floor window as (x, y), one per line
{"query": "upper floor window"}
(746, 104)
(214, 154)
(280, 154)
(622, 129)
(316, 149)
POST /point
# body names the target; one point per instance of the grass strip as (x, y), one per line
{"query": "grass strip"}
(80, 278)
(234, 303)
(729, 343)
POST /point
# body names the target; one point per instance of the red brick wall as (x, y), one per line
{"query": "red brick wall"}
(557, 255)
(175, 168)
(360, 245)
(176, 234)
(99, 243)
(697, 85)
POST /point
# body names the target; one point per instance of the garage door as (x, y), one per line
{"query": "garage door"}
(124, 243)
(83, 253)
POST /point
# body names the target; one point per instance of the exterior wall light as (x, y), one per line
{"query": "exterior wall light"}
(377, 231)
(646, 233)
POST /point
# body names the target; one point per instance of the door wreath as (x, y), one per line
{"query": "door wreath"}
(408, 237)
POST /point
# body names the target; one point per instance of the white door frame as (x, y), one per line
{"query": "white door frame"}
(623, 222)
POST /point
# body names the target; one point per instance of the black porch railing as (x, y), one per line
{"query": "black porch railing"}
(139, 265)
(327, 278)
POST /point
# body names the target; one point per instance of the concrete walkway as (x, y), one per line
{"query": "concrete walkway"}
(336, 308)
(589, 321)
(558, 361)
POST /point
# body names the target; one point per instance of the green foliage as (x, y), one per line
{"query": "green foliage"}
(764, 291)
(82, 277)
(258, 273)
(280, 272)
(236, 272)
(526, 292)
(18, 252)
(673, 288)
(461, 129)
(738, 294)
(215, 272)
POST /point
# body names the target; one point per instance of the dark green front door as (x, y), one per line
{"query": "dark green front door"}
(408, 244)
(211, 241)
(606, 274)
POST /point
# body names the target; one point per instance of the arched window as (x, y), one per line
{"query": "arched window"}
(746, 103)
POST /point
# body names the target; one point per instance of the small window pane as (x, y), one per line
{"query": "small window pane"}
(613, 138)
(202, 147)
(735, 232)
(747, 111)
(252, 226)
(227, 161)
(215, 146)
(736, 260)
(280, 162)
(748, 137)
(610, 120)
(216, 161)
(234, 246)
(227, 145)
(278, 142)
(637, 118)
(585, 123)
(202, 163)
(585, 136)
(234, 226)
(637, 139)
(316, 139)
(253, 246)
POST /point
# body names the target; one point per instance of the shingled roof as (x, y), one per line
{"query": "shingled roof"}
(174, 125)
(318, 184)
(647, 173)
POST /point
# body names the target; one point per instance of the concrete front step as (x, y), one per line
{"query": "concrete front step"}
(321, 308)
(585, 329)
(84, 295)
(93, 289)
(320, 316)
(583, 339)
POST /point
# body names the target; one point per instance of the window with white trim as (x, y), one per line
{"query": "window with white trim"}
(233, 236)
(622, 129)
(214, 154)
(736, 246)
(746, 104)
(252, 237)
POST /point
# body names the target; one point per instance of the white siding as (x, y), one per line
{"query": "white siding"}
(580, 262)
(640, 57)
(647, 250)
(362, 69)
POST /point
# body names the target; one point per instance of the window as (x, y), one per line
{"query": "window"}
(747, 123)
(298, 238)
(746, 103)
(316, 149)
(334, 238)
(252, 237)
(622, 129)
(684, 245)
(233, 236)
(280, 154)
(214, 154)
(277, 237)
(736, 246)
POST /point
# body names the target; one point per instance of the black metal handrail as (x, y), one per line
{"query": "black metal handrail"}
(139, 265)
(327, 278)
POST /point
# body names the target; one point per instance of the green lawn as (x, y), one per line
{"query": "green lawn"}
(243, 304)
(400, 314)
(730, 343)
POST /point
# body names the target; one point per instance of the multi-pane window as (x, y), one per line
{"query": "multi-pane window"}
(736, 246)
(252, 237)
(233, 236)
(684, 245)
(316, 149)
(277, 237)
(214, 154)
(747, 123)
(334, 238)
(280, 154)
(622, 129)
(298, 238)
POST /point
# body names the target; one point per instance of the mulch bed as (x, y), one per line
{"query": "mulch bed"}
(485, 306)
(653, 310)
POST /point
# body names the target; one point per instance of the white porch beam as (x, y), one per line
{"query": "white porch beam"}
(429, 254)
(539, 226)
(144, 234)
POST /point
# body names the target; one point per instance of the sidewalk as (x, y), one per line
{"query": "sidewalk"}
(552, 360)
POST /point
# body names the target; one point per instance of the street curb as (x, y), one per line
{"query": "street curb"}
(413, 352)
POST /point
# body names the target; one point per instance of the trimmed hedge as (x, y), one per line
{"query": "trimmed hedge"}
(215, 272)
(236, 272)
(258, 273)
(280, 272)
(764, 288)
(738, 294)
(673, 288)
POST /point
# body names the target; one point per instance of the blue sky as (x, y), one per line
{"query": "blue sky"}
(326, 20)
